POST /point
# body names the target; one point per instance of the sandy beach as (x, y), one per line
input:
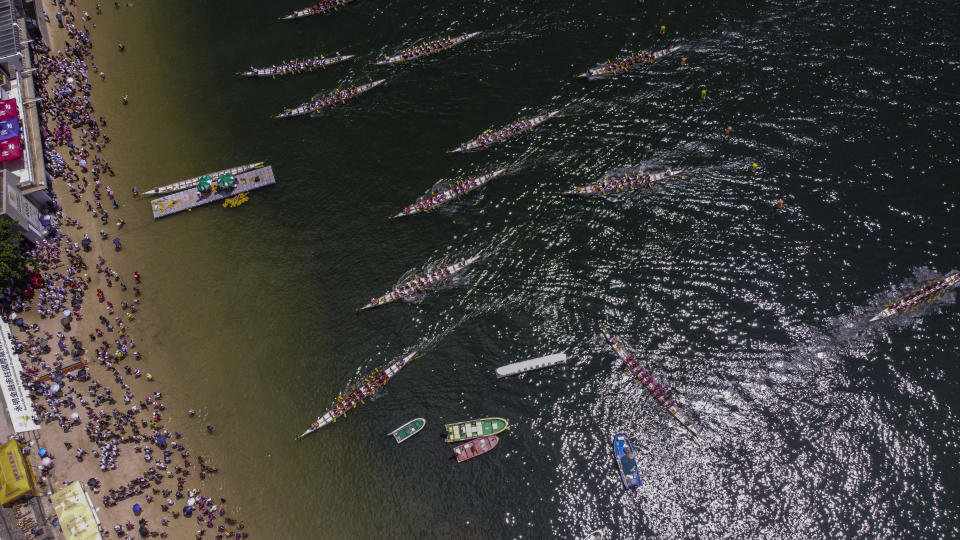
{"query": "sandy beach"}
(105, 425)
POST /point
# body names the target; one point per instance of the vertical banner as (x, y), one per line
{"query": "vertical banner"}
(8, 109)
(9, 128)
(19, 405)
(10, 149)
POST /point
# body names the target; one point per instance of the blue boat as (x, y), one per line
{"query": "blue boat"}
(628, 466)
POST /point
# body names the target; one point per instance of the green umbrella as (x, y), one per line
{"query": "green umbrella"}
(204, 183)
(227, 181)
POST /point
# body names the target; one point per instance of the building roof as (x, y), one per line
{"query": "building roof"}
(9, 34)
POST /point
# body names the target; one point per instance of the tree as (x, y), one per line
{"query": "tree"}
(12, 263)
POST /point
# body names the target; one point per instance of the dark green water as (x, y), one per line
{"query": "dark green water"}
(815, 423)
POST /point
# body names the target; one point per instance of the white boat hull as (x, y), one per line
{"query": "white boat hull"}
(481, 142)
(448, 195)
(400, 58)
(431, 280)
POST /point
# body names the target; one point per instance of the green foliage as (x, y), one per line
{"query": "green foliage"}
(12, 264)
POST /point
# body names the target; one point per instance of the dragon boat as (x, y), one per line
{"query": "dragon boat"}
(491, 137)
(617, 184)
(645, 377)
(420, 284)
(373, 382)
(930, 291)
(426, 49)
(295, 67)
(623, 64)
(330, 100)
(192, 182)
(453, 191)
(320, 8)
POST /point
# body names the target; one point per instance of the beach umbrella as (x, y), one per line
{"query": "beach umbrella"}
(92, 482)
(75, 416)
(227, 181)
(42, 452)
(204, 183)
(46, 462)
(144, 531)
(136, 509)
(191, 501)
(66, 313)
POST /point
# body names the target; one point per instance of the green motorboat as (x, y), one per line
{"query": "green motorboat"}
(408, 430)
(471, 429)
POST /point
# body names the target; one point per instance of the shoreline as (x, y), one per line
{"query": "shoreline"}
(117, 425)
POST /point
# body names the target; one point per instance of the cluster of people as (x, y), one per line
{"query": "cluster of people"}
(422, 50)
(625, 63)
(491, 137)
(645, 377)
(295, 66)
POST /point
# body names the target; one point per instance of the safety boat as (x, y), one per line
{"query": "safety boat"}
(627, 465)
(476, 447)
(408, 430)
(471, 429)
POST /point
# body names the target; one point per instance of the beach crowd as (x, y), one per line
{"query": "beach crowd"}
(78, 385)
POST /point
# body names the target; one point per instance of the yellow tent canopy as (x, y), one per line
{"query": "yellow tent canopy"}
(77, 520)
(16, 475)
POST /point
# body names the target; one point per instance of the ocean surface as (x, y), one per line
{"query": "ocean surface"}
(814, 423)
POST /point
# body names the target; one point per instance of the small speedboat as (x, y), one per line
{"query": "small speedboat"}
(476, 447)
(408, 430)
(623, 451)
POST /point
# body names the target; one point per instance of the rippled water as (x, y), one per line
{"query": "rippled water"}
(814, 423)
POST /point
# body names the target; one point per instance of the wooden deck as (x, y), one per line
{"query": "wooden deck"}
(189, 199)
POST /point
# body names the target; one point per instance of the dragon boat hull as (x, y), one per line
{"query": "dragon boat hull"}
(919, 297)
(357, 396)
(400, 59)
(477, 144)
(433, 278)
(601, 73)
(601, 187)
(306, 12)
(311, 107)
(268, 71)
(645, 377)
(450, 194)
